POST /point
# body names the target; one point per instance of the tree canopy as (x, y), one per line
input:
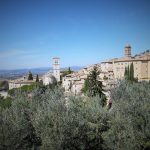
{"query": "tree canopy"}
(92, 85)
(37, 78)
(49, 120)
(30, 76)
(129, 73)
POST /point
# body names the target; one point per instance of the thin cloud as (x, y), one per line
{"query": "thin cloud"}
(10, 53)
(15, 53)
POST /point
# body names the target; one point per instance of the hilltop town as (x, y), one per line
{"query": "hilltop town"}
(110, 72)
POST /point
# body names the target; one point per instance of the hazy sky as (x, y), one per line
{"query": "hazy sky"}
(80, 32)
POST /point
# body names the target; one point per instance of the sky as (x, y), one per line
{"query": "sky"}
(80, 32)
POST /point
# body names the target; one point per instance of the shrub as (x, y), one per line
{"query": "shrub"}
(5, 103)
(49, 120)
(130, 117)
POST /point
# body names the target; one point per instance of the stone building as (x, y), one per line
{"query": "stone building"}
(54, 75)
(106, 71)
(74, 82)
(141, 63)
(56, 68)
(20, 82)
(48, 78)
(111, 71)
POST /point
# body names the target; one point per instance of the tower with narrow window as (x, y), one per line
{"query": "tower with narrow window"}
(127, 50)
(56, 68)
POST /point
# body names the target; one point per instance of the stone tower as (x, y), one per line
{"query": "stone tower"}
(127, 50)
(56, 68)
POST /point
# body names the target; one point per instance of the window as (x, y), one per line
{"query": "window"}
(56, 61)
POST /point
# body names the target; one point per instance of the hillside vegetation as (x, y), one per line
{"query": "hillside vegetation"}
(50, 121)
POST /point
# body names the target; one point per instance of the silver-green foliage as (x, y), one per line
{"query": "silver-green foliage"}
(50, 121)
(130, 117)
(16, 129)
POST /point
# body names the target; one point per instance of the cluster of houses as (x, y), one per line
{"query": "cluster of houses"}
(74, 82)
(110, 72)
(20, 82)
(47, 78)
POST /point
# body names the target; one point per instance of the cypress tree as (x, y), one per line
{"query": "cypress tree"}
(37, 78)
(126, 73)
(69, 70)
(131, 72)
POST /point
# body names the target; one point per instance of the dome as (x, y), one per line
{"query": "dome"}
(48, 78)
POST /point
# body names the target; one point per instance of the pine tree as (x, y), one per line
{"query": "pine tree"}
(92, 86)
(30, 77)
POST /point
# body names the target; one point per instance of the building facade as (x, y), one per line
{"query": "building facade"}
(56, 68)
(141, 63)
(111, 71)
(20, 82)
(54, 75)
(74, 82)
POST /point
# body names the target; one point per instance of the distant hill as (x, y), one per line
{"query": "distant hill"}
(74, 68)
(14, 74)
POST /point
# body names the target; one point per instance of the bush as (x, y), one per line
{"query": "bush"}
(49, 120)
(5, 103)
(26, 88)
(130, 117)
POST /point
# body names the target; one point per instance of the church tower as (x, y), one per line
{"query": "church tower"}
(127, 50)
(56, 68)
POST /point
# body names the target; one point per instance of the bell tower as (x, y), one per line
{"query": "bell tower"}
(56, 68)
(127, 50)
